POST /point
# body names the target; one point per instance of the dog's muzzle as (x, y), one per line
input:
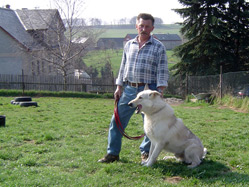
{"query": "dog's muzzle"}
(130, 105)
(138, 109)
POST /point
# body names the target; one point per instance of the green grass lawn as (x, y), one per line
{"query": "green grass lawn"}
(59, 143)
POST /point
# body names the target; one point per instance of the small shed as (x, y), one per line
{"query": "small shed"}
(110, 43)
(170, 41)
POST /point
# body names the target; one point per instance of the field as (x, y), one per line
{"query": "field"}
(59, 143)
(122, 31)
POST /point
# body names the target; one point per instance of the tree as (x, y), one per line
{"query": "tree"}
(212, 36)
(238, 35)
(66, 42)
(93, 72)
(95, 22)
(106, 71)
(123, 21)
(133, 20)
(158, 21)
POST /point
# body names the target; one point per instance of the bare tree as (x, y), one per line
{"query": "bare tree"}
(66, 41)
(123, 21)
(95, 21)
(133, 20)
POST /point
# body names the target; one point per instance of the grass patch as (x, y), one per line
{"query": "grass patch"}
(235, 102)
(59, 143)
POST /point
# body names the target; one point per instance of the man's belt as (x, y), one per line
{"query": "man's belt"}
(135, 84)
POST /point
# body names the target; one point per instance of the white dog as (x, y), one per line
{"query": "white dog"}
(167, 132)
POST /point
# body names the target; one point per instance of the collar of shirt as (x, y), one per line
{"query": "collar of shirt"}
(135, 40)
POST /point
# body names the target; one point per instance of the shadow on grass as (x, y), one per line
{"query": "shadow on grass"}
(209, 171)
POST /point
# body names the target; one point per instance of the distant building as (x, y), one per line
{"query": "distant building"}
(110, 43)
(26, 33)
(170, 41)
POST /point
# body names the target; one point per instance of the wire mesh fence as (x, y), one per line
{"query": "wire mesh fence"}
(55, 83)
(227, 83)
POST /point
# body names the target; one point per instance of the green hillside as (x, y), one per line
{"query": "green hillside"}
(97, 59)
(123, 30)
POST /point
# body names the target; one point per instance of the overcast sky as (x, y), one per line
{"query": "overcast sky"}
(110, 11)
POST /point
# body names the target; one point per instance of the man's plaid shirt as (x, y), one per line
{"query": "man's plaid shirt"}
(145, 65)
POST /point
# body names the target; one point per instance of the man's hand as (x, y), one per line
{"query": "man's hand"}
(160, 89)
(117, 93)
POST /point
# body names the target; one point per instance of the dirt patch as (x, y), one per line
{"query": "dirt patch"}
(232, 108)
(174, 101)
(174, 180)
(194, 107)
(30, 141)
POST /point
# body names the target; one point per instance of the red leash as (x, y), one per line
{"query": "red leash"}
(120, 127)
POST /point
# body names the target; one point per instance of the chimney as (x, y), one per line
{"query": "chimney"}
(7, 6)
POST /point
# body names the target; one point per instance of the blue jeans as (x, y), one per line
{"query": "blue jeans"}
(125, 113)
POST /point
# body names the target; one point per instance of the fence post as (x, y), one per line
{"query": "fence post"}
(113, 85)
(23, 85)
(186, 85)
(221, 82)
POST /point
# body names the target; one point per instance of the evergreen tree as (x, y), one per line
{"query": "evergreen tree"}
(237, 40)
(92, 71)
(210, 31)
(106, 71)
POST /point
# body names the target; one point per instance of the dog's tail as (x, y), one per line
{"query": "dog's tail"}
(204, 153)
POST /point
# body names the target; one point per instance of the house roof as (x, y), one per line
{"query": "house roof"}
(37, 19)
(10, 23)
(161, 37)
(167, 37)
(118, 41)
(17, 23)
(111, 39)
(131, 35)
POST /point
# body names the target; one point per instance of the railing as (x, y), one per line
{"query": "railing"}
(55, 83)
(228, 83)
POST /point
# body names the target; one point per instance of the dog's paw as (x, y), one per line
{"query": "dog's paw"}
(143, 163)
(146, 165)
(193, 165)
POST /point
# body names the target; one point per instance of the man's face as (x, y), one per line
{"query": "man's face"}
(144, 27)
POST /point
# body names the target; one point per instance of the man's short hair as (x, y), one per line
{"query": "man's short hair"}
(145, 16)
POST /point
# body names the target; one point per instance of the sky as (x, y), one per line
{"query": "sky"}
(110, 11)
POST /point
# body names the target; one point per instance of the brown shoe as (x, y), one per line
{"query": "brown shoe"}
(109, 158)
(144, 157)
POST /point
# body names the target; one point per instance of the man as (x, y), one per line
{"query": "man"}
(144, 62)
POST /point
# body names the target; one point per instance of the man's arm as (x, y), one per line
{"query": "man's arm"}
(162, 69)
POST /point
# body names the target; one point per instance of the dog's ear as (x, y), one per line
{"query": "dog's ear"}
(146, 87)
(154, 94)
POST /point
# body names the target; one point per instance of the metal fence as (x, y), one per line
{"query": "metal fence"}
(55, 83)
(227, 83)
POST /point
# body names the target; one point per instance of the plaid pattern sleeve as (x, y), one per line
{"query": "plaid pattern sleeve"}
(145, 65)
